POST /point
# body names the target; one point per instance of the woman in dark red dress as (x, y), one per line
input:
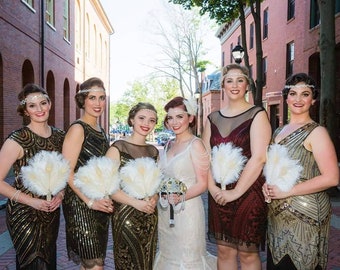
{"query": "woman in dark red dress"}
(237, 215)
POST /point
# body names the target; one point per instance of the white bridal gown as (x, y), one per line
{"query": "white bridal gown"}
(183, 246)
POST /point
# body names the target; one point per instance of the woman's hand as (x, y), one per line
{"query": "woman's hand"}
(146, 206)
(103, 205)
(56, 201)
(40, 204)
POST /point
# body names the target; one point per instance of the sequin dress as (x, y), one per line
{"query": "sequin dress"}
(240, 224)
(183, 246)
(34, 233)
(86, 229)
(299, 226)
(134, 232)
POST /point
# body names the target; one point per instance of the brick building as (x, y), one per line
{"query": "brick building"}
(56, 44)
(290, 43)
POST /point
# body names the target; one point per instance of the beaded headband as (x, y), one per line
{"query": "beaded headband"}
(299, 86)
(32, 98)
(236, 75)
(95, 89)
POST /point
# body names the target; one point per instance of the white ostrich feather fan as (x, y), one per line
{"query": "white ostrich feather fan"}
(140, 177)
(227, 163)
(98, 178)
(280, 169)
(46, 174)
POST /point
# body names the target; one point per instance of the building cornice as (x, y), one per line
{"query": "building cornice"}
(102, 15)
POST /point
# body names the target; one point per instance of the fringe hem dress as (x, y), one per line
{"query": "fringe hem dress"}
(134, 232)
(34, 233)
(298, 227)
(240, 224)
(87, 230)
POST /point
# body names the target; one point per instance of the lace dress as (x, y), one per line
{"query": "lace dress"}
(34, 233)
(87, 230)
(134, 232)
(183, 246)
(299, 226)
(240, 224)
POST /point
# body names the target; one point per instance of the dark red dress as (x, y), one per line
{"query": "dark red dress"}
(240, 224)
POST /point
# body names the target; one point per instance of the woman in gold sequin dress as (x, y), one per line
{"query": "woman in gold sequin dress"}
(134, 223)
(86, 220)
(299, 220)
(32, 221)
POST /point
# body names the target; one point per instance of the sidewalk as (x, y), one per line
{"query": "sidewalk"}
(7, 254)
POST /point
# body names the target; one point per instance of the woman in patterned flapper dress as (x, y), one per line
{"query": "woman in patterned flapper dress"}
(32, 221)
(86, 220)
(134, 222)
(299, 219)
(237, 215)
(185, 159)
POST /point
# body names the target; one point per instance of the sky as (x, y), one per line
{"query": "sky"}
(132, 52)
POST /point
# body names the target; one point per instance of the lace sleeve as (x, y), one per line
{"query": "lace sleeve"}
(199, 154)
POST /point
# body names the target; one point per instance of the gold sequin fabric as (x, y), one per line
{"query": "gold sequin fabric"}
(34, 233)
(86, 229)
(299, 226)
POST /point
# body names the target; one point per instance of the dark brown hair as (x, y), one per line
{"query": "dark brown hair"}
(140, 106)
(89, 83)
(297, 78)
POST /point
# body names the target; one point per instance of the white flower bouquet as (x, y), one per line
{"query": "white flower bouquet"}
(46, 174)
(227, 163)
(280, 169)
(99, 178)
(140, 178)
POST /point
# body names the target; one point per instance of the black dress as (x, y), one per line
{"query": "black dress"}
(86, 229)
(34, 233)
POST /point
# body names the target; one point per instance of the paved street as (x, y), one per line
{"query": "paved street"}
(7, 254)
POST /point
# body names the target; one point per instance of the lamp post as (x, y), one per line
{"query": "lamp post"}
(198, 96)
(238, 53)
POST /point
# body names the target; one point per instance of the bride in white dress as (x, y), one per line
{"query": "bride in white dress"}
(185, 158)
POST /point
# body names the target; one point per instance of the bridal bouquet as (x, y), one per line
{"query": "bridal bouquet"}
(280, 169)
(227, 163)
(168, 189)
(46, 174)
(99, 178)
(140, 178)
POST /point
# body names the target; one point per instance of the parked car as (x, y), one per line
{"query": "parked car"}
(163, 137)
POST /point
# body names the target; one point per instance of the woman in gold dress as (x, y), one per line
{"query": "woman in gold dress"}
(134, 223)
(299, 219)
(32, 221)
(87, 220)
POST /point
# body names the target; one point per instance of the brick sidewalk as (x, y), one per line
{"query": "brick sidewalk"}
(7, 254)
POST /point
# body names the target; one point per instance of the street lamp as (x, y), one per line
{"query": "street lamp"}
(238, 53)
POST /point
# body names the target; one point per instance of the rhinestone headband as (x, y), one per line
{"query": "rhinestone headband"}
(96, 89)
(33, 98)
(299, 86)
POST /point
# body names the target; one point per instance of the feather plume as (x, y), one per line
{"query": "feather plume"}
(99, 178)
(227, 163)
(46, 174)
(140, 177)
(280, 169)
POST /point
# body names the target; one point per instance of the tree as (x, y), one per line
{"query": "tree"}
(226, 11)
(181, 43)
(327, 66)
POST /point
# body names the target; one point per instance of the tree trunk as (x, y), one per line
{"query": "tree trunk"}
(327, 66)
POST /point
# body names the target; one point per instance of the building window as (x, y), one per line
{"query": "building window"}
(222, 60)
(264, 71)
(265, 23)
(337, 6)
(66, 26)
(50, 12)
(314, 14)
(290, 59)
(239, 40)
(251, 36)
(291, 9)
(30, 3)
